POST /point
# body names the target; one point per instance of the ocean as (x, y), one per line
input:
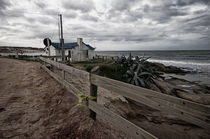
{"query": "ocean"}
(197, 61)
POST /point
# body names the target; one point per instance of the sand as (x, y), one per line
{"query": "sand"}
(34, 105)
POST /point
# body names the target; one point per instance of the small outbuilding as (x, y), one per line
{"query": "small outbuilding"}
(76, 51)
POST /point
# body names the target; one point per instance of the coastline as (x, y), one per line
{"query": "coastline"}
(195, 61)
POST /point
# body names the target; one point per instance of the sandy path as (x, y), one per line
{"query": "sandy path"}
(33, 105)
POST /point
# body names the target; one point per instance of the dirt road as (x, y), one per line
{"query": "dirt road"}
(34, 105)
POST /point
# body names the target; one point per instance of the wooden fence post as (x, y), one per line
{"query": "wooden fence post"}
(93, 92)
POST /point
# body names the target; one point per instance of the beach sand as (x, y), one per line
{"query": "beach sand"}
(34, 105)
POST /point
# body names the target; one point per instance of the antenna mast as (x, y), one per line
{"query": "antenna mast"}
(61, 38)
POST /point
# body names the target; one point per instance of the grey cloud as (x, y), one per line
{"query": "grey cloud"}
(3, 5)
(47, 20)
(42, 35)
(189, 2)
(126, 21)
(89, 18)
(122, 8)
(10, 29)
(163, 13)
(70, 14)
(50, 11)
(79, 5)
(121, 5)
(40, 4)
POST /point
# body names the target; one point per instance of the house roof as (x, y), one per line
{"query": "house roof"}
(70, 45)
(66, 45)
(90, 47)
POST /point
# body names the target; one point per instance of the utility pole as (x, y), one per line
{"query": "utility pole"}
(61, 39)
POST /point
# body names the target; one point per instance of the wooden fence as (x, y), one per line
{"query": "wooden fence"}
(185, 110)
(115, 58)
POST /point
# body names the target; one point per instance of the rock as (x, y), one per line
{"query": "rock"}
(173, 69)
(167, 69)
(199, 98)
(159, 66)
(164, 87)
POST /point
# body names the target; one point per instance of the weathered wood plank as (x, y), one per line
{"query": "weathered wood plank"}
(68, 69)
(72, 70)
(56, 64)
(120, 123)
(67, 85)
(186, 110)
(93, 92)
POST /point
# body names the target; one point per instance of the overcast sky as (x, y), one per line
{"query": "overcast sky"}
(108, 24)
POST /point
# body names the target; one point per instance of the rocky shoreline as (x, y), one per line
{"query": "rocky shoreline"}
(168, 84)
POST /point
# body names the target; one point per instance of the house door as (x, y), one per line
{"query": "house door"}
(86, 53)
(69, 54)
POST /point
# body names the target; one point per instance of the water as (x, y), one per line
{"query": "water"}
(196, 61)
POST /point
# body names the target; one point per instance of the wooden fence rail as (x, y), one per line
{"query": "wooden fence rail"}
(188, 111)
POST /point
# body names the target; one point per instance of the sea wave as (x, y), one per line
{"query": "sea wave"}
(195, 66)
(172, 62)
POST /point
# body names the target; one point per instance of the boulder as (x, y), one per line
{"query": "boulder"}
(167, 69)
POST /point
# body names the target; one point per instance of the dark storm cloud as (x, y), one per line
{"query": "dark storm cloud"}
(163, 13)
(196, 23)
(190, 2)
(3, 5)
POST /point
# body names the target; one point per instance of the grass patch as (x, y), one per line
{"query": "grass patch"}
(25, 58)
(107, 68)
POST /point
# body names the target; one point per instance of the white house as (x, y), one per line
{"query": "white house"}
(76, 51)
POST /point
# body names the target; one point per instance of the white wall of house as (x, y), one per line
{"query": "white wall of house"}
(82, 52)
(52, 51)
(79, 53)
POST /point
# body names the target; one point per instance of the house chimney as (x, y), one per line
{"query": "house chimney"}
(79, 41)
